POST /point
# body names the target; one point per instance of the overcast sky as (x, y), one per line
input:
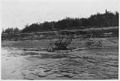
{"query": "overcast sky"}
(18, 13)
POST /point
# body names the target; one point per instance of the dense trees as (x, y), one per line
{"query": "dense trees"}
(99, 22)
(106, 19)
(11, 31)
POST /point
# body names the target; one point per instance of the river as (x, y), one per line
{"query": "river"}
(84, 64)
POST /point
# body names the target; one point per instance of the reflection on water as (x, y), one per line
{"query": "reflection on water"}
(84, 64)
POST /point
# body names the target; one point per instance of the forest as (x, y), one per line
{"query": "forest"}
(99, 20)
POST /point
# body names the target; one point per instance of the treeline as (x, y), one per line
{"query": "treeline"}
(106, 19)
(11, 31)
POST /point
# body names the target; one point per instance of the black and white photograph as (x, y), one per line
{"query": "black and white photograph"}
(59, 39)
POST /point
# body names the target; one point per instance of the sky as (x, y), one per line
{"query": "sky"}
(18, 13)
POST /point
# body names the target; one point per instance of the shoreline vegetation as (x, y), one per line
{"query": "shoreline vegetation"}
(100, 25)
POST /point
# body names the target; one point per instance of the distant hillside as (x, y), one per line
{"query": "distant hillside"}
(98, 20)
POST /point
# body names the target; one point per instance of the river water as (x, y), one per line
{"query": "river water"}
(12, 63)
(85, 64)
